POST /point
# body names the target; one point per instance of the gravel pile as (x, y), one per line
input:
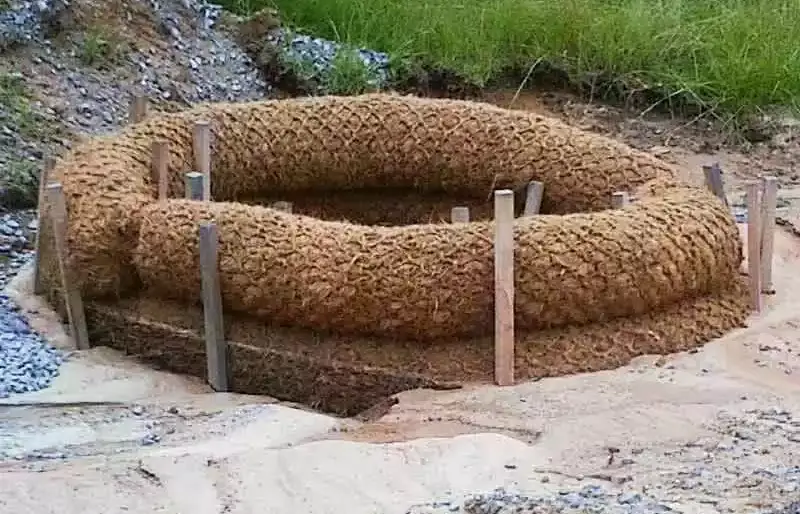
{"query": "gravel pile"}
(27, 362)
(218, 69)
(24, 21)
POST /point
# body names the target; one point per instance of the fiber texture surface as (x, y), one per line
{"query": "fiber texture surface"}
(579, 263)
(345, 375)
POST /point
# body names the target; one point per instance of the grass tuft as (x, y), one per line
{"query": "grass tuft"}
(15, 105)
(732, 55)
(100, 48)
(349, 75)
(19, 184)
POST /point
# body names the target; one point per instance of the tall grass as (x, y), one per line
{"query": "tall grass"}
(731, 54)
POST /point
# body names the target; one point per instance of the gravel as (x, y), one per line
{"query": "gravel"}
(589, 498)
(585, 500)
(24, 21)
(27, 362)
(750, 463)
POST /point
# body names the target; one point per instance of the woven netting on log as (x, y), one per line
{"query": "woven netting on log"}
(580, 262)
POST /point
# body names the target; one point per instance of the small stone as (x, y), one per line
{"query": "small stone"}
(629, 498)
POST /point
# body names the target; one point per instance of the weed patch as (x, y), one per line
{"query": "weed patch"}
(100, 48)
(19, 184)
(15, 106)
(346, 74)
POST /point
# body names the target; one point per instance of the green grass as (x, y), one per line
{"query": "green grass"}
(100, 48)
(19, 182)
(15, 106)
(734, 55)
(347, 75)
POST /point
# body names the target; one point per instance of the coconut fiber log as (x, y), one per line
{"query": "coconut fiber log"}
(419, 281)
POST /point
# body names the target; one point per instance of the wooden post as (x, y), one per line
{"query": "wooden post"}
(193, 182)
(161, 169)
(44, 178)
(504, 287)
(75, 313)
(459, 215)
(713, 177)
(283, 206)
(216, 346)
(138, 109)
(619, 199)
(533, 199)
(770, 203)
(202, 154)
(754, 244)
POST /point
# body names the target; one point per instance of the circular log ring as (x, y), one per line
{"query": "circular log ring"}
(580, 262)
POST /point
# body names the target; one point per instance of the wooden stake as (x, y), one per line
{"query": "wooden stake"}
(138, 109)
(216, 346)
(504, 287)
(459, 215)
(75, 313)
(533, 199)
(713, 176)
(193, 183)
(202, 155)
(161, 169)
(619, 199)
(44, 178)
(769, 204)
(754, 244)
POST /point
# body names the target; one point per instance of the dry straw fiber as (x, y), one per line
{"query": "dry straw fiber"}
(580, 263)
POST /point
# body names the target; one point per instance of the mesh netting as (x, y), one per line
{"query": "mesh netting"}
(579, 263)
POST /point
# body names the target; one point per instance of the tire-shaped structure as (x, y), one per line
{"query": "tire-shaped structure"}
(578, 263)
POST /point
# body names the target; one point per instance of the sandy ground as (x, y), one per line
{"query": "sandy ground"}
(703, 431)
(660, 418)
